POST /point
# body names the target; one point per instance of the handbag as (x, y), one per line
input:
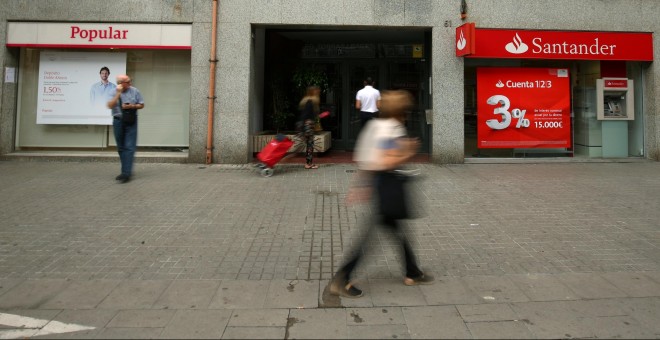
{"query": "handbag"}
(128, 116)
(392, 196)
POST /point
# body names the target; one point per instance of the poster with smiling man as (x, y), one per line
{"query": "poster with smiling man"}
(75, 86)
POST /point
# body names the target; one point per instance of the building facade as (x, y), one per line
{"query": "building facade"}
(215, 74)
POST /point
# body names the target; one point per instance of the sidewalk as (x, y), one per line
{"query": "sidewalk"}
(553, 250)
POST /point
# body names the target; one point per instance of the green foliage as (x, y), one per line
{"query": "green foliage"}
(308, 76)
(285, 86)
(281, 104)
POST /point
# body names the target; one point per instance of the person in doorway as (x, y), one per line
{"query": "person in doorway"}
(367, 101)
(381, 150)
(124, 104)
(102, 91)
(309, 113)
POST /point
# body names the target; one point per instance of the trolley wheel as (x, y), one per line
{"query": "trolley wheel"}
(267, 172)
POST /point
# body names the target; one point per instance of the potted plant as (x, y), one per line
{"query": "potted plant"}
(285, 85)
(281, 108)
(307, 76)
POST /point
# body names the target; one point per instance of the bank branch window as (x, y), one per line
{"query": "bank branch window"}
(523, 108)
(552, 109)
(547, 93)
(59, 109)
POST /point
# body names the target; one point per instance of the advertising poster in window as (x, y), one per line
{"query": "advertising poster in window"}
(74, 87)
(523, 108)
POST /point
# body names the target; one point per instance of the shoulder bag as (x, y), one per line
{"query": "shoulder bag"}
(392, 196)
(128, 116)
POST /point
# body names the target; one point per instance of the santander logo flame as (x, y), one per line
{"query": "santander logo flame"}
(462, 42)
(517, 46)
(499, 84)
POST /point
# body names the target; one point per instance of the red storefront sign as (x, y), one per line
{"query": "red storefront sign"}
(523, 108)
(465, 39)
(528, 44)
(616, 83)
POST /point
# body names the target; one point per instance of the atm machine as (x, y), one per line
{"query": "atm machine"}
(615, 99)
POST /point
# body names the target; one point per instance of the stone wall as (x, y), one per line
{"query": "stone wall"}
(235, 87)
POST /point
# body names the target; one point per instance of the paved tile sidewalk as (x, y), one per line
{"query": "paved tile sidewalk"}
(549, 250)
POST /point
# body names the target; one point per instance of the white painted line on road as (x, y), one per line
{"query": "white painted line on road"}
(18, 333)
(29, 327)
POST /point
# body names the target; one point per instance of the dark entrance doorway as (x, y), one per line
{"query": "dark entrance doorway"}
(393, 59)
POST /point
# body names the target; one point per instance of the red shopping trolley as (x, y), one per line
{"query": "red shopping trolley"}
(272, 153)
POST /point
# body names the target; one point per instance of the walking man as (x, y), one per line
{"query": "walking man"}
(367, 101)
(124, 104)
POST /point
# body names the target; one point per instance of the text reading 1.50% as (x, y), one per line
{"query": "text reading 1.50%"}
(52, 89)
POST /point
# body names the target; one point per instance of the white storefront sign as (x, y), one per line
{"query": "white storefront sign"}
(66, 78)
(99, 35)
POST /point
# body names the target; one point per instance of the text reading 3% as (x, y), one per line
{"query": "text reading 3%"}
(502, 109)
(520, 115)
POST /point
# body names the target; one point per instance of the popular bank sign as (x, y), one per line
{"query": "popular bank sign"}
(99, 35)
(474, 42)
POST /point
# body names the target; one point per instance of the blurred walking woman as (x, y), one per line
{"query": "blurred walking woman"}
(309, 113)
(382, 148)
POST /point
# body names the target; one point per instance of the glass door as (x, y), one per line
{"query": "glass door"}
(331, 100)
(346, 78)
(411, 76)
(387, 75)
(357, 73)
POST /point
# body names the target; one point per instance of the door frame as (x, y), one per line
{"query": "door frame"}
(382, 77)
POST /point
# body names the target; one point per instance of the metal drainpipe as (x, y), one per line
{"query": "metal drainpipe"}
(211, 97)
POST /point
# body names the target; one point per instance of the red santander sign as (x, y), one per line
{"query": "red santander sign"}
(615, 83)
(530, 44)
(465, 39)
(523, 108)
